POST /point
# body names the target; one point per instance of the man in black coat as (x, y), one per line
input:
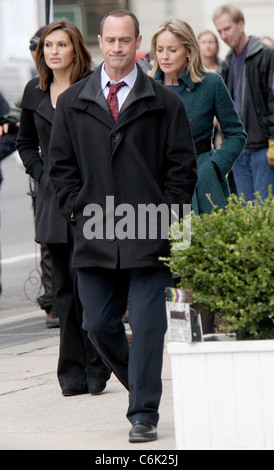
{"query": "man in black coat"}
(110, 176)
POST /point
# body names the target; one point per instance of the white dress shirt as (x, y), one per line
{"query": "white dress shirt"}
(124, 91)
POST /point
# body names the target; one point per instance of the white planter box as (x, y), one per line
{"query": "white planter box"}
(223, 394)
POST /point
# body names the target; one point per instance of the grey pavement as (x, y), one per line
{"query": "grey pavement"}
(34, 415)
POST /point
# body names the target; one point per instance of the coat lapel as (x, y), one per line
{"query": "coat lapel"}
(139, 100)
(92, 100)
(45, 108)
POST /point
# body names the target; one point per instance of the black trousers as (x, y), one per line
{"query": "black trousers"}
(104, 295)
(78, 361)
(47, 301)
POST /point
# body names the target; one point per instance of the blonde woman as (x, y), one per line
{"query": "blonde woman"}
(209, 47)
(178, 64)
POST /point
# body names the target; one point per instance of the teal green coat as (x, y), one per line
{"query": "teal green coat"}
(203, 101)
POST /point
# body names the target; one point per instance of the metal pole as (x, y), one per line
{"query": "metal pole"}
(48, 7)
(170, 9)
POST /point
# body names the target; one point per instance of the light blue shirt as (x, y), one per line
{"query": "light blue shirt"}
(124, 91)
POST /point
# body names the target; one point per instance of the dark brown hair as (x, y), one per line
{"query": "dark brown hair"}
(83, 60)
(121, 14)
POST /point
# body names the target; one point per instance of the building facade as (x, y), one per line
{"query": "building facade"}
(19, 19)
(198, 13)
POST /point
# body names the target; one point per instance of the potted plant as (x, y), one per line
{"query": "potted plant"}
(223, 390)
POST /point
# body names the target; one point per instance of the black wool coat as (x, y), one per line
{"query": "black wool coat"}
(147, 157)
(33, 145)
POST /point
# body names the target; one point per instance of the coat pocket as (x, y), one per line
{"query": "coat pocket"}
(208, 183)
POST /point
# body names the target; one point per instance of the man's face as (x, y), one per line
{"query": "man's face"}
(231, 33)
(119, 44)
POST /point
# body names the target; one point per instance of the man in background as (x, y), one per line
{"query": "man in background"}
(248, 73)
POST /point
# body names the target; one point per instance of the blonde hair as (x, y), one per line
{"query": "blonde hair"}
(207, 31)
(186, 36)
(230, 9)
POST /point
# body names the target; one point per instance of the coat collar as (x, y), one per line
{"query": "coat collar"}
(45, 108)
(92, 91)
(254, 45)
(142, 96)
(184, 79)
(38, 100)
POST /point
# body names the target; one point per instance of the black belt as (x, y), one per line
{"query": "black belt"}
(203, 146)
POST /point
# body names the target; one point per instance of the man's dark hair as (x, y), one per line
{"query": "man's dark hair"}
(120, 14)
(35, 39)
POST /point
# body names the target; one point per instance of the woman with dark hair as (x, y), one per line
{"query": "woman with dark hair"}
(79, 60)
(62, 59)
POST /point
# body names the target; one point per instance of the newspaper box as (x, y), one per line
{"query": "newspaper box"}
(184, 324)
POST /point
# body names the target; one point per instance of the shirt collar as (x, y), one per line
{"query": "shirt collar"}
(129, 79)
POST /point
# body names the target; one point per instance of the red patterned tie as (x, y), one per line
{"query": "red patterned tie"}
(112, 99)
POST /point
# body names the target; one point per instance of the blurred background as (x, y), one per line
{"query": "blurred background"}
(19, 19)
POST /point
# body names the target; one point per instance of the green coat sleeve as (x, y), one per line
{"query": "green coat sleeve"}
(234, 135)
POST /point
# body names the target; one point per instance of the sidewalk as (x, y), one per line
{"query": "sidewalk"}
(35, 415)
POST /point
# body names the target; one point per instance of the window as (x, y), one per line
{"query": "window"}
(87, 14)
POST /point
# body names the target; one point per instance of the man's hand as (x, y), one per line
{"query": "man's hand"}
(8, 126)
(270, 153)
(4, 129)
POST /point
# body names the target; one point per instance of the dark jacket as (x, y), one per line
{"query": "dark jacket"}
(32, 145)
(7, 142)
(258, 98)
(4, 105)
(147, 157)
(203, 101)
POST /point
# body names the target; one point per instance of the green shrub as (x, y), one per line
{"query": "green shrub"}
(230, 264)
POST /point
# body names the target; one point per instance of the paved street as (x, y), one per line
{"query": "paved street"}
(34, 414)
(21, 319)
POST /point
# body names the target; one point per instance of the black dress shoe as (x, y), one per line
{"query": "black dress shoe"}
(72, 393)
(97, 385)
(142, 431)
